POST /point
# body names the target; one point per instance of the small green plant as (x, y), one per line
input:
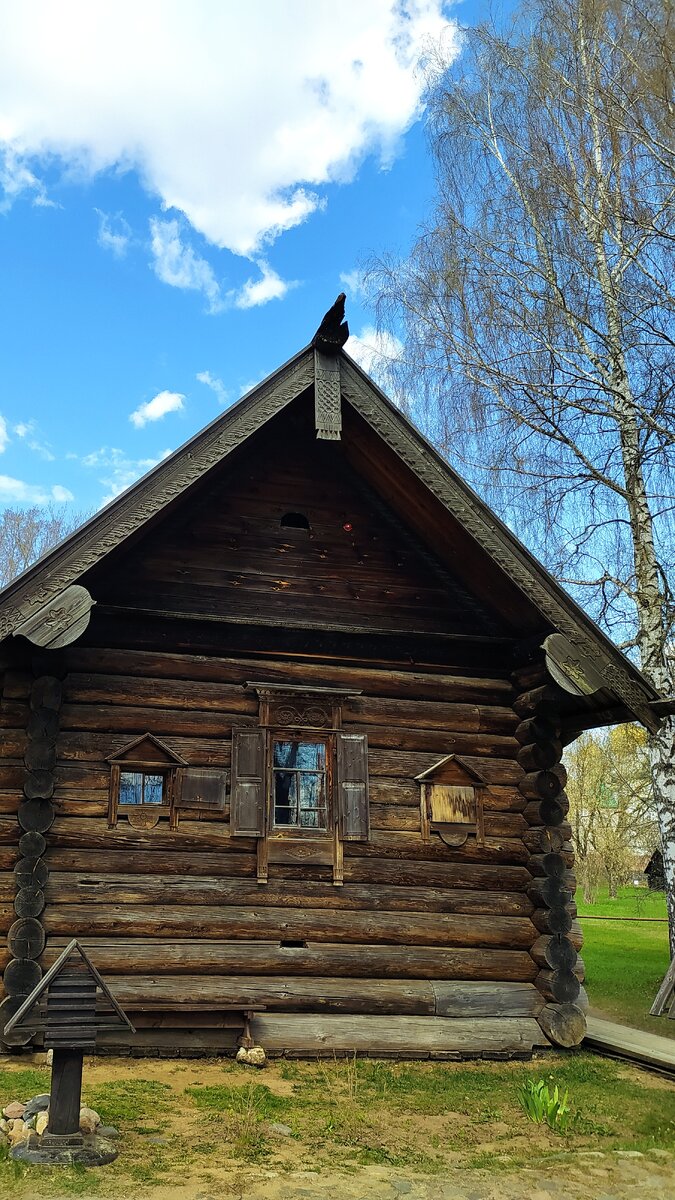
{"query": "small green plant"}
(542, 1104)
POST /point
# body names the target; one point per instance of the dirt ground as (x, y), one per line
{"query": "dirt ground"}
(209, 1130)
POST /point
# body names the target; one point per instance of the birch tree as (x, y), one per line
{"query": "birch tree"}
(539, 311)
(28, 533)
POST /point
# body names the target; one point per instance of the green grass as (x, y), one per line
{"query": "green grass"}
(626, 961)
(420, 1117)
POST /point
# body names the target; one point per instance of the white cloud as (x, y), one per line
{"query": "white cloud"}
(15, 491)
(62, 493)
(215, 384)
(375, 352)
(16, 177)
(26, 430)
(259, 291)
(231, 114)
(353, 283)
(119, 471)
(178, 265)
(4, 435)
(155, 409)
(114, 233)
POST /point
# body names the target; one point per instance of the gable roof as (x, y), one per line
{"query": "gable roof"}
(176, 475)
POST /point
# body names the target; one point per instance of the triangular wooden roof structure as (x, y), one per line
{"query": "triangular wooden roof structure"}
(625, 694)
(26, 1018)
(464, 763)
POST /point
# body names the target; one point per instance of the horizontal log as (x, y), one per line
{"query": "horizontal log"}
(535, 730)
(196, 865)
(549, 840)
(373, 1035)
(544, 812)
(539, 756)
(379, 682)
(204, 921)
(551, 865)
(554, 951)
(552, 920)
(531, 675)
(132, 956)
(409, 846)
(550, 893)
(538, 701)
(288, 994)
(563, 1024)
(559, 984)
(69, 888)
(540, 785)
(320, 994)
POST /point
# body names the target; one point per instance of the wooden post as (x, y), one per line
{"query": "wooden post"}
(66, 1096)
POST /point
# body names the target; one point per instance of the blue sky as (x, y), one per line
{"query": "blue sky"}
(185, 190)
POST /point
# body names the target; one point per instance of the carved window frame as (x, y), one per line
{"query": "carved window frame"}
(168, 767)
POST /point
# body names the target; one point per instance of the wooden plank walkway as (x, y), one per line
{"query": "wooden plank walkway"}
(631, 1043)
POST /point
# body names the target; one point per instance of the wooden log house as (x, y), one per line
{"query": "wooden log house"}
(282, 729)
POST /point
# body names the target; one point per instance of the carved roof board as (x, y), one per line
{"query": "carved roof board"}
(126, 515)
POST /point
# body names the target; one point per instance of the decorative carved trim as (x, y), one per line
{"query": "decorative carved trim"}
(327, 398)
(167, 481)
(509, 554)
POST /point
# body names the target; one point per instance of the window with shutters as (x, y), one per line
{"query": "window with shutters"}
(299, 776)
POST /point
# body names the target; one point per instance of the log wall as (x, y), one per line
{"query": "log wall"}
(176, 918)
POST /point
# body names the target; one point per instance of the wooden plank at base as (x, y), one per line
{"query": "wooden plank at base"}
(635, 1044)
(296, 1033)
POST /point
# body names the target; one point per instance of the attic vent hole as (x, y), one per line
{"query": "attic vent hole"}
(294, 520)
(293, 945)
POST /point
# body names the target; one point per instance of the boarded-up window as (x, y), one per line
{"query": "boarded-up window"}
(247, 801)
(203, 788)
(352, 786)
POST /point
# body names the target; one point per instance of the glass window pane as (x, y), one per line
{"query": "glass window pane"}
(153, 789)
(312, 801)
(131, 787)
(307, 756)
(285, 798)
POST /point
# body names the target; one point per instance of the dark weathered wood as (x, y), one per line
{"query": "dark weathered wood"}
(555, 951)
(540, 785)
(32, 844)
(31, 872)
(541, 756)
(19, 1037)
(237, 922)
(552, 920)
(43, 724)
(46, 692)
(29, 902)
(36, 816)
(559, 984)
(550, 892)
(66, 1092)
(39, 785)
(538, 701)
(544, 812)
(563, 1024)
(69, 888)
(21, 976)
(40, 755)
(133, 955)
(26, 938)
(537, 730)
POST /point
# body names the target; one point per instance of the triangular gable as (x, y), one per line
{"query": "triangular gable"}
(476, 779)
(172, 478)
(157, 753)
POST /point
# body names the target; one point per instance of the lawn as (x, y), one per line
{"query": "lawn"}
(626, 960)
(202, 1122)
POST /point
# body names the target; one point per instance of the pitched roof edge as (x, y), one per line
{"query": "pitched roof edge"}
(621, 677)
(129, 511)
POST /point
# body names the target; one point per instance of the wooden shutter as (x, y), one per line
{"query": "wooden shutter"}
(247, 800)
(352, 787)
(202, 787)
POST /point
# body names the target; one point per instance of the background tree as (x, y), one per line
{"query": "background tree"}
(538, 308)
(611, 811)
(28, 533)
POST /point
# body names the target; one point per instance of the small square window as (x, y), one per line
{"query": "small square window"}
(299, 784)
(141, 787)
